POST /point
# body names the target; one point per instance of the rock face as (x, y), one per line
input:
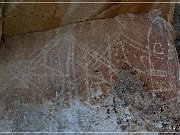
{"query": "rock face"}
(176, 24)
(23, 18)
(1, 21)
(116, 74)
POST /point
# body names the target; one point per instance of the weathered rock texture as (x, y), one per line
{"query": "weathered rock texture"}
(23, 18)
(116, 74)
(176, 24)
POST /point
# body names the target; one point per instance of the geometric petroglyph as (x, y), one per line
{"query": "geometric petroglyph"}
(162, 55)
(135, 55)
(160, 73)
(47, 74)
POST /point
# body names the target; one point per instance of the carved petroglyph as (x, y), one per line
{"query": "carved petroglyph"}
(161, 65)
(46, 70)
(94, 77)
(132, 54)
(158, 47)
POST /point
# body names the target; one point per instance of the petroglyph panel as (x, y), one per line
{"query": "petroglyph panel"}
(82, 60)
(147, 50)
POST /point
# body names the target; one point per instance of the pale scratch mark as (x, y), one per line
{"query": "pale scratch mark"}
(149, 54)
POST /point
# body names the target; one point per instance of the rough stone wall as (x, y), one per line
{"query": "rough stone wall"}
(24, 18)
(116, 74)
(1, 22)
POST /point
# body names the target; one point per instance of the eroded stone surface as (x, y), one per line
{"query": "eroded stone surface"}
(117, 74)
